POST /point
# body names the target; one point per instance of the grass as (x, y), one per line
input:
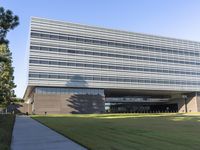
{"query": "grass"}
(128, 131)
(6, 127)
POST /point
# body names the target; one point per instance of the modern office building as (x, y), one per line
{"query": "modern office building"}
(83, 69)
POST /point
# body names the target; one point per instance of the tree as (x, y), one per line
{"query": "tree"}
(8, 21)
(6, 76)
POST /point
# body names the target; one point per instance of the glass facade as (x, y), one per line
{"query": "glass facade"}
(50, 90)
(131, 57)
(61, 63)
(107, 78)
(107, 42)
(71, 55)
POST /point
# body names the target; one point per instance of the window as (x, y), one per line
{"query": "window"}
(55, 37)
(35, 47)
(45, 36)
(44, 62)
(53, 76)
(43, 76)
(71, 51)
(62, 63)
(34, 75)
(62, 50)
(35, 34)
(80, 65)
(44, 48)
(53, 62)
(34, 61)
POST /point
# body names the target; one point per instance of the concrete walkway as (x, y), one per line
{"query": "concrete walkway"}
(28, 134)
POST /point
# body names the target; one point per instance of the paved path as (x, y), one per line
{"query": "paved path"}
(28, 134)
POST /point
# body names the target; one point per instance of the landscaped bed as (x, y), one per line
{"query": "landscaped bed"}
(6, 127)
(128, 131)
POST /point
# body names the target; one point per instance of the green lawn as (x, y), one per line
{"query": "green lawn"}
(6, 127)
(128, 131)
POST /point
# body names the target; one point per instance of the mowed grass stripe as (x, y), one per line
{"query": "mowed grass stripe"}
(128, 131)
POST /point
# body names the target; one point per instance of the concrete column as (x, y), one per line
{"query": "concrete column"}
(29, 108)
(192, 103)
(181, 105)
(198, 101)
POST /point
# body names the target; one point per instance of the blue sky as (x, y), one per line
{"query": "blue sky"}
(172, 18)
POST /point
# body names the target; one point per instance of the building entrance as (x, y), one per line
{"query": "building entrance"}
(142, 108)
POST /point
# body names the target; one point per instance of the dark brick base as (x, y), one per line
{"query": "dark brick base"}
(62, 104)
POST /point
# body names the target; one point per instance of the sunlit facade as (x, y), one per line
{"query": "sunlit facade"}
(67, 58)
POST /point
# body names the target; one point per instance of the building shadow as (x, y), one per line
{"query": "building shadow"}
(86, 104)
(77, 81)
(15, 108)
(83, 101)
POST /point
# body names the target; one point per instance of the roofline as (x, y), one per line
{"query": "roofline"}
(115, 30)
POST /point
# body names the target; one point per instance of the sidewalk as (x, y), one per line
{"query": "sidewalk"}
(28, 134)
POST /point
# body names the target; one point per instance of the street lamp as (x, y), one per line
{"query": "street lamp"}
(185, 101)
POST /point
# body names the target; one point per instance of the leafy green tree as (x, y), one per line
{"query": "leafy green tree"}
(8, 21)
(6, 76)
